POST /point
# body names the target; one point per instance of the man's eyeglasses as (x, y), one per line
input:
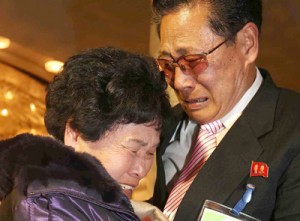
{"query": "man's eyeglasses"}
(196, 62)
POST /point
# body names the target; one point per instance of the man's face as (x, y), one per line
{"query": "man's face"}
(211, 94)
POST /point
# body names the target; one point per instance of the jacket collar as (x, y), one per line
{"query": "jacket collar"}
(36, 164)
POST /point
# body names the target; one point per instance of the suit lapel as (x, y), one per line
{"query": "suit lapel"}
(230, 163)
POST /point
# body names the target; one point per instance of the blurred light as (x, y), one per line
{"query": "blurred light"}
(4, 112)
(9, 95)
(53, 66)
(4, 42)
(33, 131)
(32, 107)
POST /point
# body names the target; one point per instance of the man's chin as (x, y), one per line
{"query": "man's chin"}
(197, 116)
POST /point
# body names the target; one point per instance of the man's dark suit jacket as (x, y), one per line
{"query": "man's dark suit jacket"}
(268, 131)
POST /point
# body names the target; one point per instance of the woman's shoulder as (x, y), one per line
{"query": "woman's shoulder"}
(70, 204)
(60, 205)
(37, 167)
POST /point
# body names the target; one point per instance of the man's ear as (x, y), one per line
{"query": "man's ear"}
(71, 136)
(248, 39)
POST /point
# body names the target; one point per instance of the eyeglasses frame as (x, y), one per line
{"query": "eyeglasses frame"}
(174, 62)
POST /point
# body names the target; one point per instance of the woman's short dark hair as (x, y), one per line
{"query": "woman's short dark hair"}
(101, 88)
(226, 16)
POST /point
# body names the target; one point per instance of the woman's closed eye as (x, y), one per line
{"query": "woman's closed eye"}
(151, 153)
(131, 149)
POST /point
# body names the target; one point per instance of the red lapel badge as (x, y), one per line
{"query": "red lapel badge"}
(259, 169)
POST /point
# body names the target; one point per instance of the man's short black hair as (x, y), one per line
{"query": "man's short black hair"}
(226, 16)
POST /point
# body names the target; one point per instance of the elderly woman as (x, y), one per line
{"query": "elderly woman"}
(105, 110)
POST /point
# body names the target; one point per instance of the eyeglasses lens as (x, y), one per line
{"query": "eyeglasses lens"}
(197, 63)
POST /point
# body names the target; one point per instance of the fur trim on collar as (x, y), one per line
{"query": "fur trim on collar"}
(27, 158)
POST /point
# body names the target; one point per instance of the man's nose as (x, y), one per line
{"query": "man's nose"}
(182, 81)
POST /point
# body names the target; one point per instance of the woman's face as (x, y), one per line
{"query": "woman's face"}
(127, 152)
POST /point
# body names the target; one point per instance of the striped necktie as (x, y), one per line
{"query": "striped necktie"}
(206, 143)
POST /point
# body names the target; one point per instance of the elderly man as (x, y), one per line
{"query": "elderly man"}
(231, 116)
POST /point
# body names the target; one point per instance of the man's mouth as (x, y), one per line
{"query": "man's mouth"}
(193, 101)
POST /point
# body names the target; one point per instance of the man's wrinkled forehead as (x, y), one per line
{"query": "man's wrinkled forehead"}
(183, 32)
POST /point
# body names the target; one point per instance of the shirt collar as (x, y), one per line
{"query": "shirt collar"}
(229, 119)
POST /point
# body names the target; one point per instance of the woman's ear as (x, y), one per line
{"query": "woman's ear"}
(248, 40)
(71, 136)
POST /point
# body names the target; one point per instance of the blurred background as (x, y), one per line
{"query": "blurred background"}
(34, 32)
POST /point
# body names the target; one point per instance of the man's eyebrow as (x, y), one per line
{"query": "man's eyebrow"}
(164, 53)
(180, 51)
(183, 51)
